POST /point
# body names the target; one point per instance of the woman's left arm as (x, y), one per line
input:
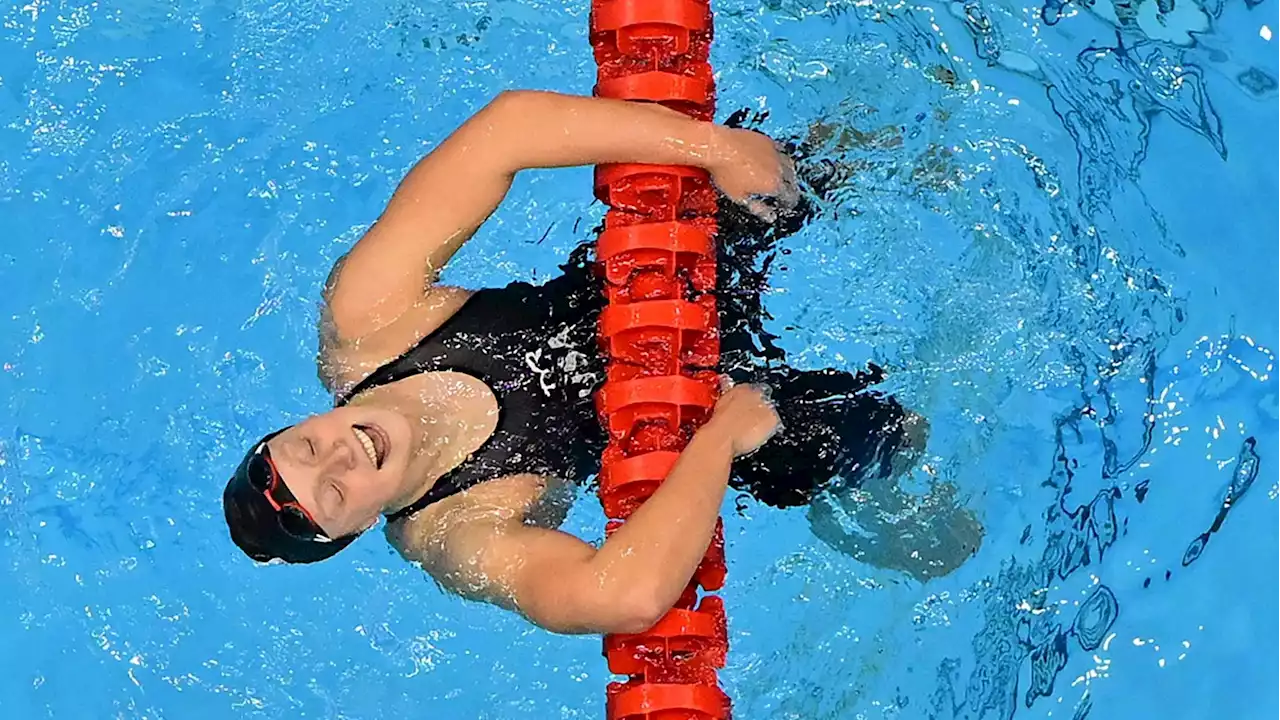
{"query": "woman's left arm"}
(447, 196)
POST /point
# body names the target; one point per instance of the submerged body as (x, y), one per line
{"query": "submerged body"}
(460, 414)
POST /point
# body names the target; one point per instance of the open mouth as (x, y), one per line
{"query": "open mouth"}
(374, 441)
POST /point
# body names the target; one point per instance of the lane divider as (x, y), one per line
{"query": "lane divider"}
(659, 332)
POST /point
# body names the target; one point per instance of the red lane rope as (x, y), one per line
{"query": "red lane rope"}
(660, 336)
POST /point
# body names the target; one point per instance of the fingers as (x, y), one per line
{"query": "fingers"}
(730, 390)
(762, 207)
(763, 394)
(766, 393)
(783, 196)
(746, 413)
(775, 428)
(726, 383)
(789, 190)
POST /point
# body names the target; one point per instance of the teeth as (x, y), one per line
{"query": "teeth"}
(367, 443)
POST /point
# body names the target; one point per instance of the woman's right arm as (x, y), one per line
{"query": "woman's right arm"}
(636, 576)
(449, 193)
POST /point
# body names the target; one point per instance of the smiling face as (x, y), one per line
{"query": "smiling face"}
(346, 465)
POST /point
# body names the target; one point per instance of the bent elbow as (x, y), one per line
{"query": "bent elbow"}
(506, 98)
(636, 612)
(513, 104)
(632, 625)
(602, 613)
(585, 600)
(503, 130)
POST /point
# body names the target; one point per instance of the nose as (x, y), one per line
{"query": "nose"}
(342, 455)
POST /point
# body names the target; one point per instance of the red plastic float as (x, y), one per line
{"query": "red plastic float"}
(660, 335)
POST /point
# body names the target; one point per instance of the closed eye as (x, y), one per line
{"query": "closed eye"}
(330, 498)
(303, 450)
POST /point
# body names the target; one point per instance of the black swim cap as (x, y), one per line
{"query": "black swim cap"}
(258, 528)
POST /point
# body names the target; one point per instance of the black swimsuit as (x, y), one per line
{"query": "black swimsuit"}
(536, 348)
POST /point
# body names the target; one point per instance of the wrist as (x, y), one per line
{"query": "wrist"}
(719, 148)
(687, 141)
(716, 433)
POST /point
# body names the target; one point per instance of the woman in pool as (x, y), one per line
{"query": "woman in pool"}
(460, 415)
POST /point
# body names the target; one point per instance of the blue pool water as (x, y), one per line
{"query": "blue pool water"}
(1059, 238)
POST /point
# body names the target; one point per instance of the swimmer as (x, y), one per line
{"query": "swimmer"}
(465, 419)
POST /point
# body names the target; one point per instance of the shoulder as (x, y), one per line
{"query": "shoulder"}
(344, 359)
(448, 533)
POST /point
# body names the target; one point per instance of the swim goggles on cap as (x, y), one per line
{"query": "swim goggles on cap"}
(260, 470)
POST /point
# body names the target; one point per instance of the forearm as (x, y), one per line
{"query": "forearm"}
(486, 551)
(554, 130)
(648, 562)
(449, 193)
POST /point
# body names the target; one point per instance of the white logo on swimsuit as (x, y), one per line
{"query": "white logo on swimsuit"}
(573, 365)
(531, 359)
